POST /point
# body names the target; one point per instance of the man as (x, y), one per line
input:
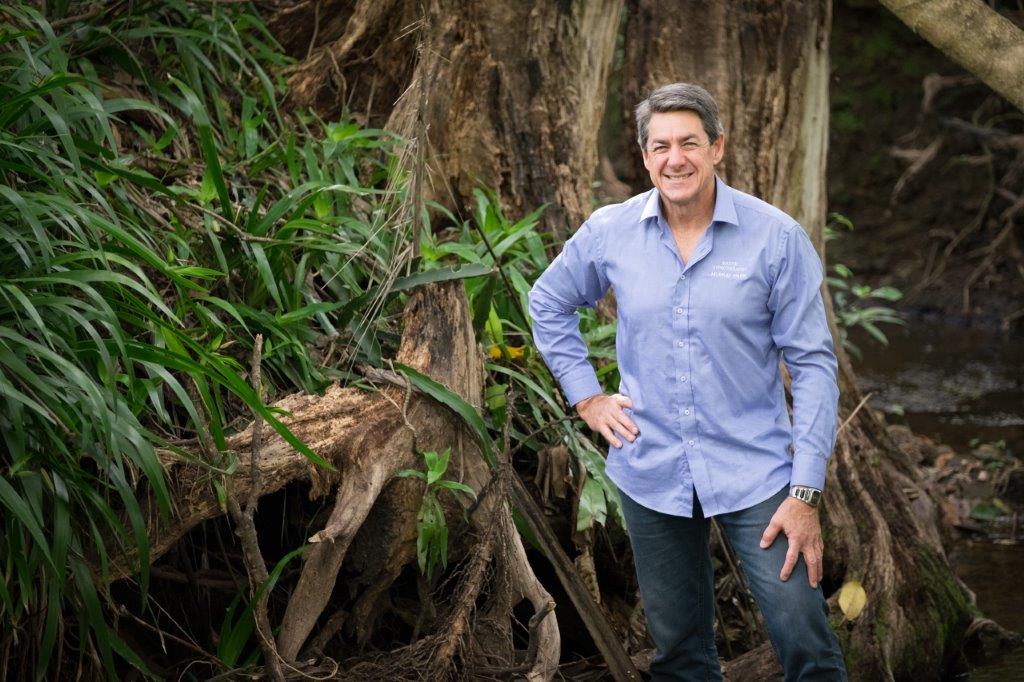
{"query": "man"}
(712, 285)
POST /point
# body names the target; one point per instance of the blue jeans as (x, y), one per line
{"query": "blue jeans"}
(673, 567)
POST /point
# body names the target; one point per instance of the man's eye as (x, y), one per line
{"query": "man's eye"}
(690, 146)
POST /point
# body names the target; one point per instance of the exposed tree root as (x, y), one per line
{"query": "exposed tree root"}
(368, 437)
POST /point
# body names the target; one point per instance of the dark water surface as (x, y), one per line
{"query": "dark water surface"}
(960, 387)
(952, 384)
(993, 571)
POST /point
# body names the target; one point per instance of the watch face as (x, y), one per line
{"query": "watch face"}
(808, 495)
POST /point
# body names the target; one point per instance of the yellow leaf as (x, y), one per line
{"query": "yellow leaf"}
(852, 599)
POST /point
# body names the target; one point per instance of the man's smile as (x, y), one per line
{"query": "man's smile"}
(677, 177)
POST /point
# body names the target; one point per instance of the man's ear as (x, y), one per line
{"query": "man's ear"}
(718, 149)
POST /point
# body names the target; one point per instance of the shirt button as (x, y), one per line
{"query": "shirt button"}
(682, 276)
(686, 412)
(691, 442)
(682, 379)
(680, 343)
(679, 311)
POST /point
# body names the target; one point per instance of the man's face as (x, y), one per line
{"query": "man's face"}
(679, 158)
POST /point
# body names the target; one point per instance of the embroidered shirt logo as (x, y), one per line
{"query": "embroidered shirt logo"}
(728, 269)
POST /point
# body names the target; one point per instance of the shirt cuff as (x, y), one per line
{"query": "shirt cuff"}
(809, 470)
(580, 384)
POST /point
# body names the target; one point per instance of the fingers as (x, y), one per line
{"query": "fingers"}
(607, 418)
(609, 435)
(787, 568)
(815, 564)
(770, 533)
(610, 428)
(813, 570)
(624, 425)
(812, 554)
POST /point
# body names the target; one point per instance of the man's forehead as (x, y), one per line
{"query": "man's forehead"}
(673, 135)
(675, 125)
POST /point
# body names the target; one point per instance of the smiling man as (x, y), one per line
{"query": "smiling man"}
(713, 286)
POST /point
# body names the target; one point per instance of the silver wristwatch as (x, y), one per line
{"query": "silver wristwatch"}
(811, 496)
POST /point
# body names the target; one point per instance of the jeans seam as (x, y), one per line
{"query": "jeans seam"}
(705, 560)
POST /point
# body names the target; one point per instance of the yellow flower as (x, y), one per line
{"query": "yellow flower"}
(514, 352)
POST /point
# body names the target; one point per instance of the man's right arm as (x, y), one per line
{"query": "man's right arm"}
(576, 278)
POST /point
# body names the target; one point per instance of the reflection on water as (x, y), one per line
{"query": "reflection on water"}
(951, 383)
(958, 385)
(993, 571)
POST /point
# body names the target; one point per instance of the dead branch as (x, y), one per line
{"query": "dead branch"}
(245, 527)
(920, 158)
(619, 663)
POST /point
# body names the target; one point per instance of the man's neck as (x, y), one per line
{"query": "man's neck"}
(692, 217)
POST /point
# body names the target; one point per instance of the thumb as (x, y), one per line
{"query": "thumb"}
(769, 535)
(623, 400)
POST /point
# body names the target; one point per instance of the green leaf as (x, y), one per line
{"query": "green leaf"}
(984, 512)
(842, 270)
(888, 293)
(456, 403)
(592, 505)
(10, 498)
(494, 329)
(197, 111)
(455, 486)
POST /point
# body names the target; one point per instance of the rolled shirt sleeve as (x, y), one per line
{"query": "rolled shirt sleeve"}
(800, 330)
(575, 278)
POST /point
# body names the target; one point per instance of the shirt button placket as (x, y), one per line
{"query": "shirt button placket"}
(682, 394)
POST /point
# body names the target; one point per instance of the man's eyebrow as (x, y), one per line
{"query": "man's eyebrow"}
(685, 138)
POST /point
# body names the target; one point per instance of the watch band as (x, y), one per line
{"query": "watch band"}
(811, 496)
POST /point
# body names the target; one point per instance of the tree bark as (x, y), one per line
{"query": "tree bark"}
(766, 63)
(514, 93)
(973, 35)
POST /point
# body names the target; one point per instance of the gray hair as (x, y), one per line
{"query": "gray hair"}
(679, 97)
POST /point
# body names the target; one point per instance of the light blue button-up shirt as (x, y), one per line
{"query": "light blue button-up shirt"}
(698, 348)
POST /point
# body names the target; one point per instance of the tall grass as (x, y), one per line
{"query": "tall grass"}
(158, 209)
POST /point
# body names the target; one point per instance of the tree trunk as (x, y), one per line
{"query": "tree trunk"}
(513, 99)
(767, 65)
(973, 35)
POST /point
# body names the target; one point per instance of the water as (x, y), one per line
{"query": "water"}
(953, 384)
(992, 571)
(960, 387)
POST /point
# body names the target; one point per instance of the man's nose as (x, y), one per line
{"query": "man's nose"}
(676, 156)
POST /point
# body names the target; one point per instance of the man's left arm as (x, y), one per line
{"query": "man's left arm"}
(800, 330)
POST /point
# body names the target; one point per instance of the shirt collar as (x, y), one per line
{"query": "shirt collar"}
(725, 208)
